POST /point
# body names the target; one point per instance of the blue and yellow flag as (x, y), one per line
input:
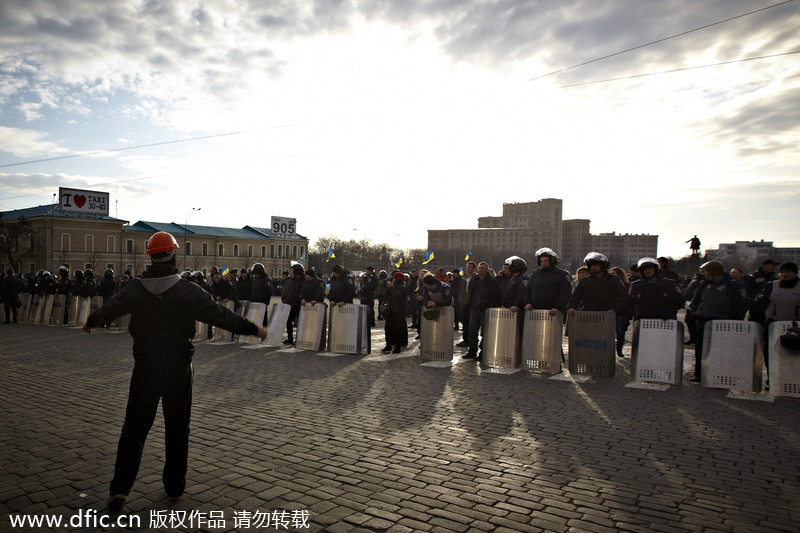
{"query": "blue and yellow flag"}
(399, 261)
(330, 256)
(468, 256)
(224, 270)
(302, 258)
(428, 257)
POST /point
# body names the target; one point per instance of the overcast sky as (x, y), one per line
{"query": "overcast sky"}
(382, 119)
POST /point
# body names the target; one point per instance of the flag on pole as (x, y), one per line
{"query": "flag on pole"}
(399, 261)
(468, 256)
(330, 256)
(302, 258)
(224, 270)
(428, 257)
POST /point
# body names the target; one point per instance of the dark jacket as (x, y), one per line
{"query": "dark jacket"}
(163, 312)
(261, 289)
(518, 292)
(550, 289)
(440, 295)
(657, 298)
(312, 290)
(722, 299)
(343, 289)
(599, 293)
(483, 294)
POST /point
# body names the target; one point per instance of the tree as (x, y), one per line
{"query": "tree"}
(17, 241)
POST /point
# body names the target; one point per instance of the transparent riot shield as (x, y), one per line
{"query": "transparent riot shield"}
(200, 331)
(73, 311)
(541, 341)
(657, 351)
(501, 338)
(733, 356)
(277, 324)
(58, 310)
(311, 327)
(349, 330)
(784, 364)
(47, 309)
(25, 309)
(244, 305)
(35, 312)
(592, 336)
(84, 310)
(95, 304)
(223, 335)
(437, 334)
(255, 314)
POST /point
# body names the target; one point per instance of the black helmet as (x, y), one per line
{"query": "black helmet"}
(109, 273)
(64, 271)
(546, 252)
(88, 273)
(298, 268)
(186, 274)
(596, 258)
(714, 268)
(46, 273)
(79, 274)
(648, 261)
(198, 276)
(259, 269)
(516, 264)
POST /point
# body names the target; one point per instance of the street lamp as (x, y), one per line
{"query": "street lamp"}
(186, 232)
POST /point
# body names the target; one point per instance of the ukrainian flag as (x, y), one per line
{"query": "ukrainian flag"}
(330, 256)
(468, 256)
(224, 270)
(428, 257)
(302, 258)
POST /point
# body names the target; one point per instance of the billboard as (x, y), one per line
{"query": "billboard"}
(82, 202)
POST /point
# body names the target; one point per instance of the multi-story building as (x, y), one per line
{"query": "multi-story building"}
(81, 241)
(748, 255)
(523, 228)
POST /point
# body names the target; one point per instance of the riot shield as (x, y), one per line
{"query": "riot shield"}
(47, 309)
(733, 356)
(348, 331)
(541, 341)
(591, 343)
(437, 334)
(73, 311)
(84, 310)
(254, 313)
(35, 312)
(200, 331)
(25, 309)
(784, 364)
(277, 324)
(223, 335)
(58, 309)
(501, 338)
(311, 325)
(657, 351)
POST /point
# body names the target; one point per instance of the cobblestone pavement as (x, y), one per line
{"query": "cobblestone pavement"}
(381, 443)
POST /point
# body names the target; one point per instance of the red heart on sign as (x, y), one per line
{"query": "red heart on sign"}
(80, 200)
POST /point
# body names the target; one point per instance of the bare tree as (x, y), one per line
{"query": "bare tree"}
(17, 242)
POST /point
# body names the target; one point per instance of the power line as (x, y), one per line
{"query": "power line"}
(657, 41)
(678, 69)
(85, 154)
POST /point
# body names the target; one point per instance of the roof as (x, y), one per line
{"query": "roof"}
(247, 232)
(51, 210)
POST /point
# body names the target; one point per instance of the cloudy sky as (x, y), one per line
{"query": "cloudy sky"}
(381, 119)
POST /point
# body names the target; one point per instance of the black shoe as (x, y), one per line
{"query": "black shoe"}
(386, 349)
(397, 350)
(462, 344)
(287, 341)
(116, 501)
(469, 356)
(174, 497)
(690, 341)
(694, 380)
(620, 354)
(416, 338)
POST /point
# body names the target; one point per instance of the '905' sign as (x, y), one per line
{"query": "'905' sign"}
(284, 226)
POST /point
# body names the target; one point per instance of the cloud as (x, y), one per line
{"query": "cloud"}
(27, 143)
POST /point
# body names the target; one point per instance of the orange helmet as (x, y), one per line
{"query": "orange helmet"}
(161, 242)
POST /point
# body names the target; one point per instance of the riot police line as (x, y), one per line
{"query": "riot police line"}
(733, 356)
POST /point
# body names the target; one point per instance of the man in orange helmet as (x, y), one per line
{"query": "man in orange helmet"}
(163, 309)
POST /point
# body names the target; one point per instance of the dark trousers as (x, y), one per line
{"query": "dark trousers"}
(151, 382)
(465, 316)
(698, 346)
(11, 311)
(475, 326)
(370, 303)
(290, 323)
(396, 329)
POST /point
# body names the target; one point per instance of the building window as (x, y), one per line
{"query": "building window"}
(111, 244)
(220, 249)
(250, 251)
(272, 250)
(66, 242)
(89, 243)
(129, 246)
(235, 250)
(263, 251)
(205, 248)
(187, 248)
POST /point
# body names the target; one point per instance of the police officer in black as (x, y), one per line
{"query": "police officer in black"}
(652, 296)
(369, 286)
(163, 309)
(343, 288)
